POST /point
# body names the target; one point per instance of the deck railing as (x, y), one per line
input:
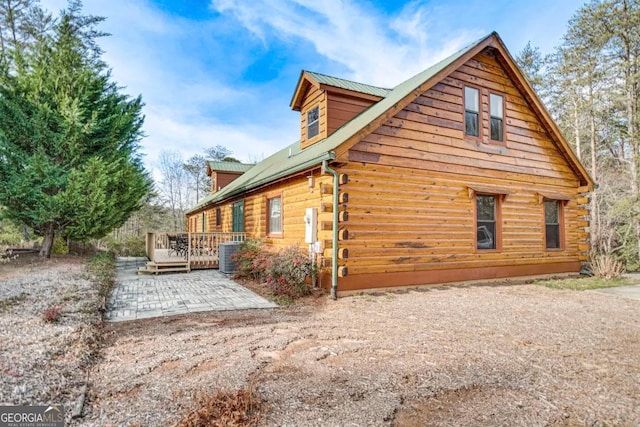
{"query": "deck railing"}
(200, 250)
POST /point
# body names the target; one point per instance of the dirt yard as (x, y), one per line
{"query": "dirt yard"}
(478, 355)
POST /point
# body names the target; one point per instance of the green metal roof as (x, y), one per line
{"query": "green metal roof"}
(349, 85)
(281, 164)
(228, 166)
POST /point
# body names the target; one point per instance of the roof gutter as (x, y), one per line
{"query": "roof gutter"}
(334, 242)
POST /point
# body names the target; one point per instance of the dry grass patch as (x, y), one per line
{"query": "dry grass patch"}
(238, 408)
(584, 283)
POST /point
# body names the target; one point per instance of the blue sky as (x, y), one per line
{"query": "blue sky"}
(223, 71)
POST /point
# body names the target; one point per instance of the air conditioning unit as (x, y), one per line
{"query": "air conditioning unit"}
(227, 264)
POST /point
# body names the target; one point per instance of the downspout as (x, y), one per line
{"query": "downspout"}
(334, 243)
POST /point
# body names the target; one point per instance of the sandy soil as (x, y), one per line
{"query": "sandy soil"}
(477, 355)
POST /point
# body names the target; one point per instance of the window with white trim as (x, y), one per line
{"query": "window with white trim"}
(313, 122)
(274, 215)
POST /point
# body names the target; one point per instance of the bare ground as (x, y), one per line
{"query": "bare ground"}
(45, 362)
(476, 355)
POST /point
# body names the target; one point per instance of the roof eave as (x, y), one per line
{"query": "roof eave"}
(316, 161)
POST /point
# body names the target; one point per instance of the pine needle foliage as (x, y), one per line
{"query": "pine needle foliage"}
(69, 139)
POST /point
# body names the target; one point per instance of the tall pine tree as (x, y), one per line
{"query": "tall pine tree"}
(69, 140)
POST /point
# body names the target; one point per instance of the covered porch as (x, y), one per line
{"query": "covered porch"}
(185, 251)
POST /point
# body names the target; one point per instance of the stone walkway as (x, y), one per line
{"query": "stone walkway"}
(143, 296)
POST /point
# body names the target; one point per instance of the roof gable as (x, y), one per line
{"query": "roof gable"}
(224, 166)
(321, 81)
(292, 160)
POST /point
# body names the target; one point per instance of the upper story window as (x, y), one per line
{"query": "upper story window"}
(496, 105)
(274, 215)
(471, 111)
(487, 226)
(552, 224)
(313, 122)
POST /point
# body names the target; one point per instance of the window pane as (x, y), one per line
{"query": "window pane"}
(486, 233)
(471, 99)
(553, 236)
(471, 124)
(495, 103)
(496, 129)
(275, 215)
(313, 115)
(486, 208)
(313, 122)
(551, 212)
(313, 130)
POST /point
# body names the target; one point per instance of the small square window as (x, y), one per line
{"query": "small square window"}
(471, 111)
(313, 122)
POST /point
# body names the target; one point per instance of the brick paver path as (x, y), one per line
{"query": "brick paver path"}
(142, 296)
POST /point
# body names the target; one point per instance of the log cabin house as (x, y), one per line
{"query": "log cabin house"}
(457, 174)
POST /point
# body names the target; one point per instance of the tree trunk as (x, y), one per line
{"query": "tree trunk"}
(635, 188)
(576, 124)
(595, 214)
(47, 243)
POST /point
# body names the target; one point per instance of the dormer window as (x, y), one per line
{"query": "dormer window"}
(313, 122)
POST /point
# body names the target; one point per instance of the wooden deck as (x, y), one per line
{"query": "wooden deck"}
(185, 251)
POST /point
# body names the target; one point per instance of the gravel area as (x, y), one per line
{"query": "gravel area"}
(477, 355)
(44, 362)
(498, 355)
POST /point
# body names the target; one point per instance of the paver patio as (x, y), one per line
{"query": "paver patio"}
(143, 296)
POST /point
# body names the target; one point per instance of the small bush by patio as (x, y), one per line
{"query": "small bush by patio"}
(286, 273)
(252, 260)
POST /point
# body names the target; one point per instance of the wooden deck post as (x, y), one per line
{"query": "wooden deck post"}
(151, 245)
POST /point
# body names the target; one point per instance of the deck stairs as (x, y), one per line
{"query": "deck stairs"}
(154, 267)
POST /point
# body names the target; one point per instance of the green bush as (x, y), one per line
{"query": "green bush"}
(10, 234)
(59, 246)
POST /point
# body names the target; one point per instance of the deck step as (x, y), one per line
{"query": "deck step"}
(164, 267)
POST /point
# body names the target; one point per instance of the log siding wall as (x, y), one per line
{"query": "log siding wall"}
(407, 210)
(410, 207)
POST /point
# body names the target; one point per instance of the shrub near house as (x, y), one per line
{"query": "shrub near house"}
(286, 273)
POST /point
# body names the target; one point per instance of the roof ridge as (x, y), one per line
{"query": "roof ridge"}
(347, 80)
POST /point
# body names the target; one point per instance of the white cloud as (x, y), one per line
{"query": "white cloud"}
(373, 48)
